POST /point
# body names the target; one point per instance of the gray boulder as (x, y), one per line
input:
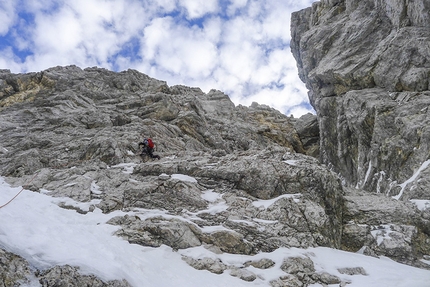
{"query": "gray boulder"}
(65, 276)
(14, 270)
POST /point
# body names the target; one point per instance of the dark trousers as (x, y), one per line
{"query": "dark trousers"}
(149, 151)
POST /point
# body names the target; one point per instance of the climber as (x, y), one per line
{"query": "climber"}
(147, 146)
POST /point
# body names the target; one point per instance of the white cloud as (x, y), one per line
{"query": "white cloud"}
(8, 60)
(58, 33)
(47, 6)
(272, 69)
(277, 23)
(246, 55)
(189, 52)
(155, 35)
(240, 60)
(166, 6)
(299, 111)
(235, 5)
(213, 29)
(198, 8)
(85, 33)
(7, 15)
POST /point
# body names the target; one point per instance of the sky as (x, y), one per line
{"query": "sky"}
(35, 227)
(240, 47)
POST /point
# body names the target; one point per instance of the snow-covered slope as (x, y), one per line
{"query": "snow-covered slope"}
(35, 227)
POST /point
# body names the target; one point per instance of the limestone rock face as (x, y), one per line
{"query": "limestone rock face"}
(238, 180)
(367, 66)
(89, 105)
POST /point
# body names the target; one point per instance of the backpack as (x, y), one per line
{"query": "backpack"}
(150, 143)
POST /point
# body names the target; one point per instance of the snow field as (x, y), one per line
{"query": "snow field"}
(35, 227)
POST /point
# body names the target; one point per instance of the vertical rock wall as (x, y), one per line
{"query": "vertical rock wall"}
(367, 66)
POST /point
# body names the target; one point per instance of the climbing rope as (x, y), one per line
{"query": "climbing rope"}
(34, 176)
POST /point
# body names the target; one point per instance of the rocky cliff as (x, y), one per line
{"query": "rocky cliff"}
(367, 65)
(234, 179)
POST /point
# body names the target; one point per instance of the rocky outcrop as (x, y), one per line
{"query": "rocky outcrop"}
(367, 64)
(100, 102)
(377, 225)
(15, 271)
(307, 210)
(69, 276)
(239, 154)
(250, 183)
(302, 270)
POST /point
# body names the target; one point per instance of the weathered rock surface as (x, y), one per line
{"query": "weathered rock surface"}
(89, 105)
(367, 66)
(301, 272)
(250, 185)
(239, 180)
(64, 276)
(15, 271)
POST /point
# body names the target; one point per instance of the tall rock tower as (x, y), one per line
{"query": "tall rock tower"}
(367, 66)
